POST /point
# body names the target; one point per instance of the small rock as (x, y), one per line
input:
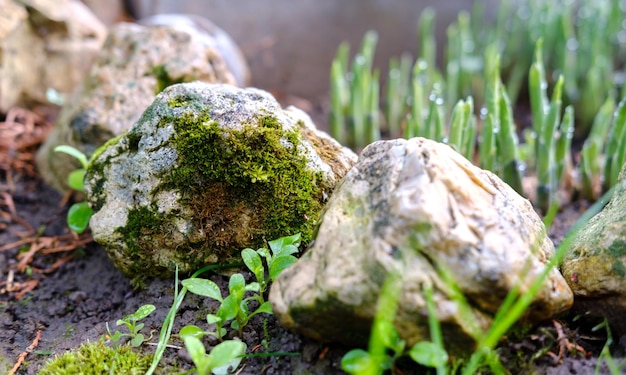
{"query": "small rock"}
(207, 171)
(77, 296)
(414, 206)
(595, 264)
(136, 63)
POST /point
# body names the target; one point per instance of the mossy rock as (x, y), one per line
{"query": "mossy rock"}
(207, 171)
(595, 264)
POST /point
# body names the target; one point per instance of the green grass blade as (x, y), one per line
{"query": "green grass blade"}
(457, 123)
(563, 154)
(508, 153)
(616, 145)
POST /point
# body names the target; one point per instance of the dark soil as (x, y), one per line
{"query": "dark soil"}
(72, 303)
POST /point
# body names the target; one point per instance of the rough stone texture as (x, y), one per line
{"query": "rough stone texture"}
(412, 206)
(44, 44)
(595, 264)
(207, 171)
(136, 63)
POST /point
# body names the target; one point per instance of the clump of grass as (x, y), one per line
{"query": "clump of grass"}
(354, 98)
(547, 43)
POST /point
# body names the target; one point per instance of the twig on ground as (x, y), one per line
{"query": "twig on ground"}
(20, 134)
(22, 356)
(43, 246)
(565, 346)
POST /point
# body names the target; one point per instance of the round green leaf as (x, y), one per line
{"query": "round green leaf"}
(142, 312)
(78, 217)
(357, 361)
(280, 264)
(228, 309)
(75, 179)
(252, 260)
(137, 340)
(212, 319)
(236, 283)
(252, 287)
(191, 330)
(226, 353)
(428, 354)
(203, 287)
(266, 307)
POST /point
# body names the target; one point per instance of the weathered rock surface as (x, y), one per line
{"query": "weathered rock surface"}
(45, 44)
(595, 264)
(208, 170)
(415, 206)
(136, 63)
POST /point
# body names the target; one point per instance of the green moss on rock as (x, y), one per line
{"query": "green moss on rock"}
(245, 185)
(163, 78)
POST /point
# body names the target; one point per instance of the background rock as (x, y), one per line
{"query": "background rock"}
(595, 264)
(44, 44)
(413, 206)
(207, 171)
(136, 63)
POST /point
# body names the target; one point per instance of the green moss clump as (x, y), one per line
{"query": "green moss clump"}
(257, 173)
(97, 358)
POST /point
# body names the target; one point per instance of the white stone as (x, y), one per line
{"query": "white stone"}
(415, 206)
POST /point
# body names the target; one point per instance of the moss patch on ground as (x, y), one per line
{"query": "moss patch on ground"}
(95, 358)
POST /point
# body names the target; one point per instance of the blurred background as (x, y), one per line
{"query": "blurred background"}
(289, 45)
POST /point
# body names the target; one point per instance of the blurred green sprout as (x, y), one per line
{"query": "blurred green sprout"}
(549, 54)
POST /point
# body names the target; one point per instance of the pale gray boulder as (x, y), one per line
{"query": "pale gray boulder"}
(208, 170)
(414, 206)
(135, 64)
(595, 264)
(45, 44)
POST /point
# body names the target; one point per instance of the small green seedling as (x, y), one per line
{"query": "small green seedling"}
(233, 307)
(278, 258)
(386, 346)
(384, 338)
(130, 321)
(230, 307)
(79, 214)
(222, 359)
